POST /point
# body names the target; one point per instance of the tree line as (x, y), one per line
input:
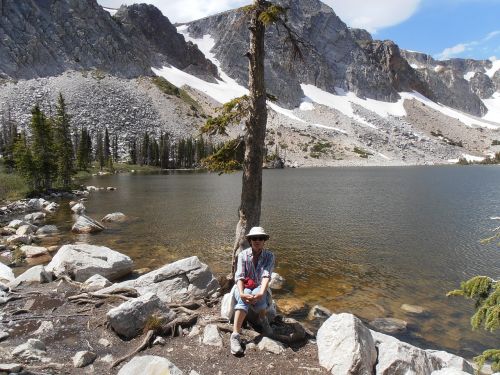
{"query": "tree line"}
(51, 151)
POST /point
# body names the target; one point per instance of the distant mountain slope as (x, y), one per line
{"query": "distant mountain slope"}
(336, 56)
(46, 38)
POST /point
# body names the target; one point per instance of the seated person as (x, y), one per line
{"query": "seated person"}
(252, 278)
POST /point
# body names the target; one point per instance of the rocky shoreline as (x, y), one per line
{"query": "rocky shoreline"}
(89, 311)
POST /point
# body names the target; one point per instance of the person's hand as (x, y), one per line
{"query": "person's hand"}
(257, 297)
(247, 298)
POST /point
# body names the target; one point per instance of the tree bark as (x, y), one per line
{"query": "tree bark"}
(251, 192)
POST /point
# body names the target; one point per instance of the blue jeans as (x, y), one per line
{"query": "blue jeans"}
(241, 305)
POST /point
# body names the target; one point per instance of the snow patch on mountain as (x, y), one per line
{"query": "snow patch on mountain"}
(469, 75)
(493, 105)
(496, 66)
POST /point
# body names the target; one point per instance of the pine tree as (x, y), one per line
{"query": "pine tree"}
(114, 148)
(43, 147)
(486, 293)
(9, 137)
(107, 148)
(64, 146)
(24, 162)
(84, 154)
(164, 151)
(133, 151)
(145, 150)
(99, 151)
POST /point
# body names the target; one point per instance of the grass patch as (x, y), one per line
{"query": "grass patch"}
(12, 186)
(168, 88)
(362, 153)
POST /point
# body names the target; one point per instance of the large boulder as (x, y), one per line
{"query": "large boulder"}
(175, 282)
(346, 346)
(442, 359)
(34, 275)
(149, 365)
(35, 217)
(397, 357)
(17, 223)
(130, 318)
(17, 239)
(80, 261)
(6, 274)
(26, 230)
(33, 251)
(85, 224)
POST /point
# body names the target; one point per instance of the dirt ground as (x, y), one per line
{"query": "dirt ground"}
(80, 327)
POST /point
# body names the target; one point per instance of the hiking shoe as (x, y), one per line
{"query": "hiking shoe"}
(266, 327)
(235, 344)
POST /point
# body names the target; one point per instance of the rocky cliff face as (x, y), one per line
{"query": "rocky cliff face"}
(336, 56)
(332, 58)
(46, 38)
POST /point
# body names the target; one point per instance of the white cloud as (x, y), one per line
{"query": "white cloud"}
(370, 15)
(373, 15)
(469, 47)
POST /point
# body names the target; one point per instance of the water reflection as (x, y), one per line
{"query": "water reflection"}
(364, 240)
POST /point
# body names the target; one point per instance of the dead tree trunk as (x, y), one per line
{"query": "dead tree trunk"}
(251, 192)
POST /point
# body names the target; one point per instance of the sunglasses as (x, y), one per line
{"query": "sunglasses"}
(258, 238)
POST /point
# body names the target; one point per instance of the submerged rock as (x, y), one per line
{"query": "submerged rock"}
(82, 261)
(78, 208)
(85, 224)
(116, 217)
(389, 325)
(47, 230)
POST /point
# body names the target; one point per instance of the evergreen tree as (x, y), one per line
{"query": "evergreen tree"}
(114, 148)
(24, 162)
(84, 155)
(99, 151)
(64, 146)
(43, 147)
(107, 147)
(164, 151)
(9, 137)
(145, 150)
(133, 151)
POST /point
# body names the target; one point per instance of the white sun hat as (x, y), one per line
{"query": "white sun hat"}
(257, 232)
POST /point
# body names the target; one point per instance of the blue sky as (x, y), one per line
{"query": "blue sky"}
(441, 28)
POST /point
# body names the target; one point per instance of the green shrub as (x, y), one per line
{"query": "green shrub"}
(362, 153)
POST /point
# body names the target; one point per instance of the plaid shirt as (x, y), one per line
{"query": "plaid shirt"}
(245, 268)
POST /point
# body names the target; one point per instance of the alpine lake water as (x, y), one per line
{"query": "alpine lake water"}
(361, 240)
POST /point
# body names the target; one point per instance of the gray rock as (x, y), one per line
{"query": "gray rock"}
(47, 230)
(116, 217)
(83, 358)
(104, 342)
(412, 309)
(442, 359)
(130, 318)
(78, 208)
(16, 239)
(175, 282)
(34, 275)
(212, 336)
(271, 346)
(482, 85)
(81, 261)
(319, 312)
(10, 367)
(33, 251)
(6, 273)
(16, 224)
(159, 341)
(345, 346)
(276, 282)
(149, 365)
(395, 355)
(26, 229)
(85, 224)
(44, 328)
(52, 207)
(3, 335)
(33, 349)
(450, 371)
(35, 217)
(95, 282)
(389, 325)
